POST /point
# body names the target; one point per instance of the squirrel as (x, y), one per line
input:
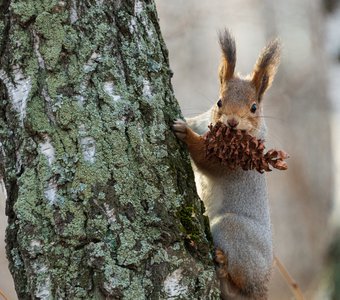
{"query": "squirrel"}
(236, 201)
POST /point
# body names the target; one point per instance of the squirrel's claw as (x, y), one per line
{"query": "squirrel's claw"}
(180, 129)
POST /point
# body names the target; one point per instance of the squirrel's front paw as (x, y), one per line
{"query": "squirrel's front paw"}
(180, 128)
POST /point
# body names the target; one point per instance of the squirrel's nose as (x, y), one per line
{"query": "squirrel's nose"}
(232, 123)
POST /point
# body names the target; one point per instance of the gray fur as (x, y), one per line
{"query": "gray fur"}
(200, 123)
(237, 206)
(236, 200)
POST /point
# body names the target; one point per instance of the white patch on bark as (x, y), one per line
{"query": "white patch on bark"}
(3, 189)
(110, 213)
(90, 66)
(141, 132)
(47, 149)
(41, 61)
(172, 285)
(92, 62)
(147, 88)
(132, 25)
(51, 192)
(88, 145)
(35, 243)
(43, 288)
(18, 90)
(149, 32)
(138, 7)
(18, 162)
(138, 13)
(73, 12)
(109, 89)
(81, 98)
(46, 95)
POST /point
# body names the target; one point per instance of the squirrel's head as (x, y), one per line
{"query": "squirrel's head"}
(239, 104)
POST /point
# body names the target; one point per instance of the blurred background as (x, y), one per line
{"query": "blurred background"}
(303, 116)
(302, 110)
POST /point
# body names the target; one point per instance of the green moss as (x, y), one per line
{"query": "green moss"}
(28, 198)
(97, 228)
(20, 42)
(68, 113)
(55, 83)
(50, 27)
(71, 39)
(136, 290)
(73, 220)
(2, 27)
(25, 10)
(161, 256)
(188, 220)
(36, 117)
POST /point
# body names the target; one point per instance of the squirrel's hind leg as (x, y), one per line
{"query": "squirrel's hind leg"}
(228, 290)
(222, 263)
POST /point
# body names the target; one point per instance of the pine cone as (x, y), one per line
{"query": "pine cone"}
(236, 148)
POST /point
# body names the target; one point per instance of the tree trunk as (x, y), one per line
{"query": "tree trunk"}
(101, 200)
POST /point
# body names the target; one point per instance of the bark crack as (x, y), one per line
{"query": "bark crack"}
(4, 8)
(44, 92)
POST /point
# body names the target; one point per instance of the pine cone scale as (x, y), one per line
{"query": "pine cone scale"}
(236, 148)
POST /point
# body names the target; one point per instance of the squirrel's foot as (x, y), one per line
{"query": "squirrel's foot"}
(194, 142)
(180, 128)
(185, 133)
(222, 262)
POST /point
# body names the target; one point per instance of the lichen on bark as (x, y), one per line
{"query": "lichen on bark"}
(101, 197)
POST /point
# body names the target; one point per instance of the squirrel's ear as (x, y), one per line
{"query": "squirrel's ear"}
(228, 62)
(265, 67)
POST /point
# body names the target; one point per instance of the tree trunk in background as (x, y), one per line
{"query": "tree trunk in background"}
(100, 196)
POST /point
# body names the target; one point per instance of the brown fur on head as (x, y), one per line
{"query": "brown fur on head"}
(239, 105)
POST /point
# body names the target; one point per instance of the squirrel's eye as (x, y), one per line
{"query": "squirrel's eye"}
(253, 108)
(219, 103)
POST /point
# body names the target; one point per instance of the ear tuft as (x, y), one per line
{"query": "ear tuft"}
(228, 47)
(266, 67)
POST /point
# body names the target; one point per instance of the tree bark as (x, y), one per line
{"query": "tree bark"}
(101, 200)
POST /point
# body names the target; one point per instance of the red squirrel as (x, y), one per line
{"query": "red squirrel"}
(236, 200)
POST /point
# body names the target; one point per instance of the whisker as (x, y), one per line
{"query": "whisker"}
(193, 110)
(206, 98)
(191, 114)
(245, 115)
(275, 139)
(270, 117)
